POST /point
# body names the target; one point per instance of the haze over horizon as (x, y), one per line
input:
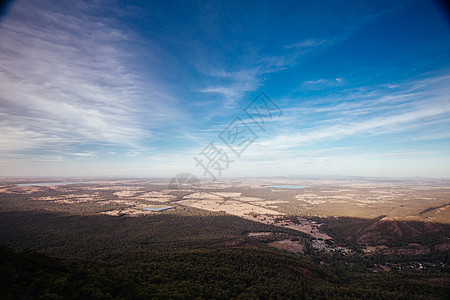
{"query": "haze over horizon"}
(132, 89)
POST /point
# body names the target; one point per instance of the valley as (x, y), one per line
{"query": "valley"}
(346, 228)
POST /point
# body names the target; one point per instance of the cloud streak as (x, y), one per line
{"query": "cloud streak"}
(65, 82)
(409, 109)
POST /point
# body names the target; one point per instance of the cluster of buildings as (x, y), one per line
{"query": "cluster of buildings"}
(321, 245)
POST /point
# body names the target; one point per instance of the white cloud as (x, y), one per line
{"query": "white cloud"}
(322, 83)
(249, 79)
(65, 82)
(84, 154)
(407, 110)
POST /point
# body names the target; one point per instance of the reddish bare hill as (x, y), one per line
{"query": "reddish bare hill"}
(388, 231)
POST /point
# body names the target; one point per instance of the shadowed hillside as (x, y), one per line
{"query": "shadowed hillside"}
(389, 231)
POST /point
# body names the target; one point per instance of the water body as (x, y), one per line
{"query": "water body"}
(292, 187)
(53, 183)
(156, 208)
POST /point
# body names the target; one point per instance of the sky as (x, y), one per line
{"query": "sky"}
(157, 88)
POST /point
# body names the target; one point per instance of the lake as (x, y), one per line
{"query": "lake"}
(293, 187)
(157, 208)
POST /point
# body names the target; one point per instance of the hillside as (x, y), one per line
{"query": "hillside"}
(387, 231)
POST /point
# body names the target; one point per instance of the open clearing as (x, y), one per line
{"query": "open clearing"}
(288, 245)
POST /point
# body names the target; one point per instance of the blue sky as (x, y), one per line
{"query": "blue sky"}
(141, 88)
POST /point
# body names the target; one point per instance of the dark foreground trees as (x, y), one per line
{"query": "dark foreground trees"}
(181, 257)
(238, 273)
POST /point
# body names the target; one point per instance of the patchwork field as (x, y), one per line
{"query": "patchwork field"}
(421, 199)
(289, 203)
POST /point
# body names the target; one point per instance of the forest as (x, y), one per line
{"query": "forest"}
(170, 256)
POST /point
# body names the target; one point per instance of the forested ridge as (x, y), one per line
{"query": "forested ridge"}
(170, 256)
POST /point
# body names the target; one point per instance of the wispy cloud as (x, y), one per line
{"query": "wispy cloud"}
(65, 82)
(323, 83)
(247, 79)
(409, 109)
